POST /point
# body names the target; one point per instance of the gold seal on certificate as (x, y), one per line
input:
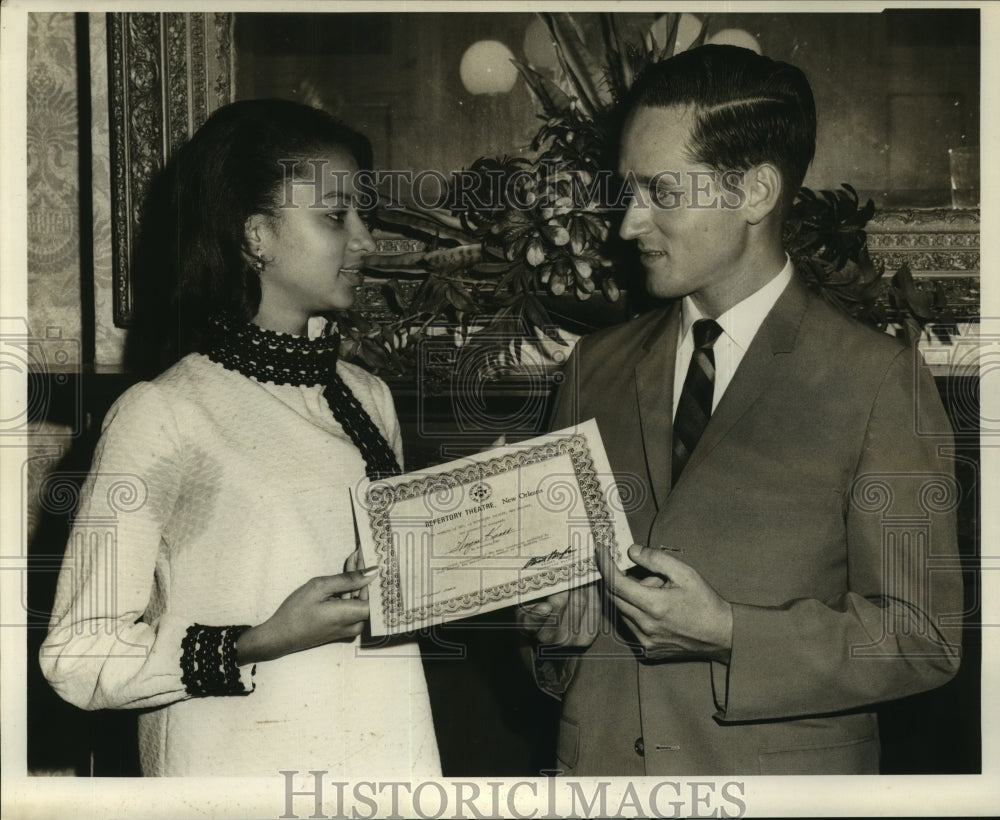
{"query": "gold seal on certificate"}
(491, 530)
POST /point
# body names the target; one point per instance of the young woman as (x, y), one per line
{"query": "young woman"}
(210, 579)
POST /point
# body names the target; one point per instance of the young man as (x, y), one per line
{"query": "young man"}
(789, 496)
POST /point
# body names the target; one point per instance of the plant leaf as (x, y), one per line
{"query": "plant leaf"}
(554, 101)
(575, 60)
(618, 61)
(433, 224)
(700, 39)
(671, 43)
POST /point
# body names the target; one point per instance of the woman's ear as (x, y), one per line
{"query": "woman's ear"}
(763, 192)
(254, 234)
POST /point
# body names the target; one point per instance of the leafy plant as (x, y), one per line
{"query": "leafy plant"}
(825, 238)
(495, 266)
(920, 308)
(487, 268)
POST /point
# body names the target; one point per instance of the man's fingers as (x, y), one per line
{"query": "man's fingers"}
(539, 608)
(654, 581)
(558, 600)
(633, 614)
(534, 616)
(576, 612)
(661, 562)
(606, 564)
(640, 595)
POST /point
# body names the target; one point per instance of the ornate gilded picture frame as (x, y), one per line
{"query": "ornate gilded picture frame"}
(167, 73)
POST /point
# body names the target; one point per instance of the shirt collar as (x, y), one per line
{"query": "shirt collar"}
(742, 321)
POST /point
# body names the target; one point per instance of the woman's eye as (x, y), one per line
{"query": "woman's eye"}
(337, 216)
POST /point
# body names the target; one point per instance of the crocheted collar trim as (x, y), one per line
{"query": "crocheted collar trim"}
(269, 356)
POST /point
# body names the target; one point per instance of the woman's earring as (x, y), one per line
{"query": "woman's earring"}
(258, 263)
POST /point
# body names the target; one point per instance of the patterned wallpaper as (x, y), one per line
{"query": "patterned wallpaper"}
(53, 180)
(54, 184)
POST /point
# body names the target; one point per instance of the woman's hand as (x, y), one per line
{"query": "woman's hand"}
(316, 613)
(353, 563)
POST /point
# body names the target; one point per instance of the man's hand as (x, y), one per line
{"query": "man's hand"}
(569, 619)
(673, 613)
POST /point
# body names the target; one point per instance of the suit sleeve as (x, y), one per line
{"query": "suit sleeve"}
(553, 673)
(892, 632)
(101, 651)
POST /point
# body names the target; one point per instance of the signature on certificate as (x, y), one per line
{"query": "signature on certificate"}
(555, 555)
(469, 544)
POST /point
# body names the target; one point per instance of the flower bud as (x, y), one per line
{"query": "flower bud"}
(536, 254)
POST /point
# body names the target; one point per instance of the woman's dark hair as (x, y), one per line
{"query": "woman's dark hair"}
(191, 257)
(748, 109)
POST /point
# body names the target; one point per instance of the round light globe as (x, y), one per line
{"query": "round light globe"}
(735, 37)
(688, 28)
(486, 68)
(538, 48)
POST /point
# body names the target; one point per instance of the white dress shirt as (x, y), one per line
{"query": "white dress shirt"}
(739, 325)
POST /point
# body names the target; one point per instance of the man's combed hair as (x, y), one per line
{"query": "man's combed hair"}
(749, 109)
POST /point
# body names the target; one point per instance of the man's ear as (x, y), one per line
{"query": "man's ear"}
(763, 192)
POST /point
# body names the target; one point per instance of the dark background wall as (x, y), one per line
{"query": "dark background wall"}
(894, 90)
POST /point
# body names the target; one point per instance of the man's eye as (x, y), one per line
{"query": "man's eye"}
(666, 196)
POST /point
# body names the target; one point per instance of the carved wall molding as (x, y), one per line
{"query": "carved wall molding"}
(927, 219)
(167, 73)
(939, 242)
(941, 248)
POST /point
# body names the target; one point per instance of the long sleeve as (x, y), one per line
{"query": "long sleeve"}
(553, 673)
(104, 650)
(565, 407)
(885, 636)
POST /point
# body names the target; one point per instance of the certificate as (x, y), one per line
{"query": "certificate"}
(491, 530)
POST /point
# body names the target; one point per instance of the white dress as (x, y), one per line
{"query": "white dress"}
(213, 496)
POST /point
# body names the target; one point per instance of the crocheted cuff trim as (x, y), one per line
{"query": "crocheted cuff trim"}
(208, 661)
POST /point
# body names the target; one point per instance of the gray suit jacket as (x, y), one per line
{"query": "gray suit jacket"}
(816, 502)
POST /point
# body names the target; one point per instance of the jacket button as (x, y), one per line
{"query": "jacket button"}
(640, 747)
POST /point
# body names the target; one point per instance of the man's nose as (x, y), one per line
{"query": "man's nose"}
(636, 221)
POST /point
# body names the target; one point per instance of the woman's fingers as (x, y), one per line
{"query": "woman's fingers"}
(326, 586)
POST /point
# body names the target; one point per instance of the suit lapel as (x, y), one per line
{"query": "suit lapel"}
(762, 362)
(654, 385)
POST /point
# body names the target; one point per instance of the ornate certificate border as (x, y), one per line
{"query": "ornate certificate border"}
(381, 497)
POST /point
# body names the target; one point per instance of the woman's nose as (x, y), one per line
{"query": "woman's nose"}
(361, 240)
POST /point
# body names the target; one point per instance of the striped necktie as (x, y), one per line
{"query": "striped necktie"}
(695, 406)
